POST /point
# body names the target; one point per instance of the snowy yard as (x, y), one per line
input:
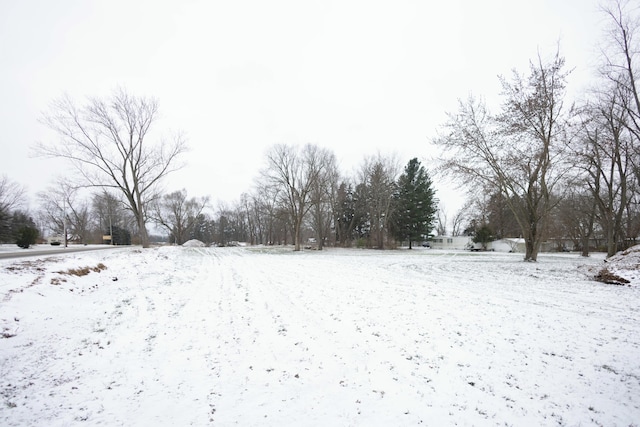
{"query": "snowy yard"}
(265, 336)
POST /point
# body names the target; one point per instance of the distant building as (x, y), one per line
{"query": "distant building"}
(55, 240)
(451, 242)
(510, 244)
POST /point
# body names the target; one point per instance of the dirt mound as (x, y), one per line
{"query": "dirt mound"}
(622, 269)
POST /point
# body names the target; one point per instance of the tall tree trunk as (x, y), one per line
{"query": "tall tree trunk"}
(611, 240)
(585, 246)
(296, 234)
(532, 241)
(530, 254)
(143, 233)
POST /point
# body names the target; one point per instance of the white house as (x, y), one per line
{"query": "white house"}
(502, 245)
(451, 242)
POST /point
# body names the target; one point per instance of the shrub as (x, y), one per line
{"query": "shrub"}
(26, 236)
(483, 236)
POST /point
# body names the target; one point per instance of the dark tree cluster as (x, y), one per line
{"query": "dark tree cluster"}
(302, 200)
(23, 230)
(16, 225)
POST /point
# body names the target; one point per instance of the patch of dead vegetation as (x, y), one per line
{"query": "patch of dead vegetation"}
(78, 272)
(58, 281)
(621, 269)
(605, 276)
(83, 271)
(24, 266)
(31, 265)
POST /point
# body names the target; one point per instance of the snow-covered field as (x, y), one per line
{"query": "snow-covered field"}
(265, 336)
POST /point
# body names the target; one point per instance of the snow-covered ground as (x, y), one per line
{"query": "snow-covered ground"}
(265, 336)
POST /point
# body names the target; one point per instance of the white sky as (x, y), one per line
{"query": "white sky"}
(358, 77)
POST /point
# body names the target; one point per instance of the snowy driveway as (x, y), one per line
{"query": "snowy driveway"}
(249, 336)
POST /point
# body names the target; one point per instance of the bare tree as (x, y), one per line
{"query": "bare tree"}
(178, 214)
(458, 220)
(232, 225)
(241, 222)
(108, 141)
(441, 220)
(621, 56)
(605, 154)
(248, 207)
(632, 222)
(12, 194)
(294, 172)
(323, 197)
(576, 217)
(64, 212)
(273, 223)
(499, 216)
(614, 131)
(519, 152)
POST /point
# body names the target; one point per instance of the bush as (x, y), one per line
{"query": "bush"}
(26, 236)
(483, 236)
(120, 236)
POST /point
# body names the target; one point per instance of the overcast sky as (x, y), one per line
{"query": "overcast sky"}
(358, 77)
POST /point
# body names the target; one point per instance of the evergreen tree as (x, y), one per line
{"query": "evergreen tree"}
(483, 236)
(349, 218)
(120, 236)
(203, 229)
(416, 204)
(5, 226)
(26, 236)
(23, 229)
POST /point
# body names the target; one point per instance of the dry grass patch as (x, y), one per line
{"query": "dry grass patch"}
(36, 265)
(605, 276)
(83, 271)
(78, 272)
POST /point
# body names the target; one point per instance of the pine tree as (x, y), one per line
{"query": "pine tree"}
(483, 236)
(416, 204)
(349, 215)
(24, 230)
(26, 236)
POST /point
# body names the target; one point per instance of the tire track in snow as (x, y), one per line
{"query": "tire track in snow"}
(231, 337)
(432, 340)
(324, 348)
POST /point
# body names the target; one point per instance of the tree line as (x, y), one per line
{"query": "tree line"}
(299, 198)
(299, 193)
(549, 167)
(540, 166)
